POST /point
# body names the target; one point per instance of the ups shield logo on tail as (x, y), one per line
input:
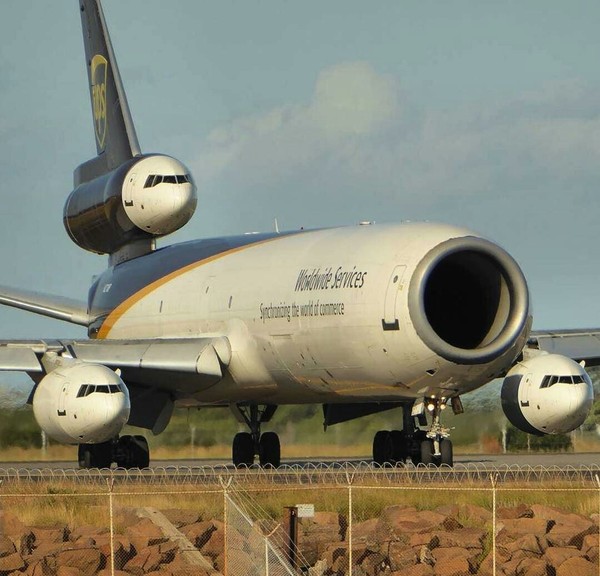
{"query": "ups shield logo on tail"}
(98, 74)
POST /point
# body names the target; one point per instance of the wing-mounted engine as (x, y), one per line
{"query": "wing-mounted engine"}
(145, 197)
(81, 403)
(547, 394)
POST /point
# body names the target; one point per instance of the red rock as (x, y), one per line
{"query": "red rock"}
(374, 563)
(522, 526)
(570, 534)
(532, 567)
(401, 556)
(21, 536)
(144, 533)
(136, 565)
(555, 556)
(364, 531)
(191, 571)
(551, 513)
(216, 543)
(577, 566)
(56, 534)
(514, 512)
(463, 538)
(417, 570)
(7, 546)
(11, 562)
(87, 560)
(87, 532)
(430, 540)
(180, 518)
(199, 534)
(589, 547)
(69, 571)
(455, 566)
(530, 544)
(335, 557)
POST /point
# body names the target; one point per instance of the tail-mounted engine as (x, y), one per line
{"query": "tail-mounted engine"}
(145, 197)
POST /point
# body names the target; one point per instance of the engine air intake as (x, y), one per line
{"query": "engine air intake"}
(468, 300)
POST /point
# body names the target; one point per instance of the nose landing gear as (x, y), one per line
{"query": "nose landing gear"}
(430, 446)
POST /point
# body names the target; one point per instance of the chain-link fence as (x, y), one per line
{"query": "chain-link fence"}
(322, 521)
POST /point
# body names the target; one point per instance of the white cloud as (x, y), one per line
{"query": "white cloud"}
(360, 150)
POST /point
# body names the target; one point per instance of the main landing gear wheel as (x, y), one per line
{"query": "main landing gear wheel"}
(447, 456)
(132, 452)
(247, 445)
(427, 452)
(242, 450)
(382, 447)
(95, 455)
(269, 450)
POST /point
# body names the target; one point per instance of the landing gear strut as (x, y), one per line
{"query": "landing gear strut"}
(247, 445)
(127, 451)
(431, 446)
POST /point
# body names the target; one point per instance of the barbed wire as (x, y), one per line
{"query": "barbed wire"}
(335, 473)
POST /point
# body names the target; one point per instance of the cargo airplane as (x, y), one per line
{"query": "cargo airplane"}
(359, 319)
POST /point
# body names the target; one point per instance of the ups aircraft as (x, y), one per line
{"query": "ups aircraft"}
(359, 319)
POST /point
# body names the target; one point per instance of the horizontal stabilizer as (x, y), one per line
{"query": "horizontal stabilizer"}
(576, 344)
(59, 307)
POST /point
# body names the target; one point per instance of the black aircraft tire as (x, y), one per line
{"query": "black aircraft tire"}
(399, 446)
(270, 450)
(427, 452)
(140, 452)
(95, 455)
(242, 450)
(382, 447)
(447, 456)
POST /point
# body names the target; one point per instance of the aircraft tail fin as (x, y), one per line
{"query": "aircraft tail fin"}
(116, 139)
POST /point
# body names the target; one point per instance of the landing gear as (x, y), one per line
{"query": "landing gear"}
(132, 452)
(95, 455)
(431, 446)
(126, 451)
(247, 445)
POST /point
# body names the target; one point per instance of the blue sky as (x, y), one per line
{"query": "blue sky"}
(483, 114)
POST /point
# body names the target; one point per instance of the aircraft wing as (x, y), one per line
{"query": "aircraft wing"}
(58, 307)
(157, 372)
(202, 356)
(576, 344)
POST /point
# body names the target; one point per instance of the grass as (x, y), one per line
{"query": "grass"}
(72, 504)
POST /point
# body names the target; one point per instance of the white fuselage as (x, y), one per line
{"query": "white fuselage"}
(322, 316)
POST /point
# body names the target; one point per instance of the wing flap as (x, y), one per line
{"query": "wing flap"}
(19, 359)
(197, 355)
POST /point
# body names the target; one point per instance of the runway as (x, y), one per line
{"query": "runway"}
(561, 459)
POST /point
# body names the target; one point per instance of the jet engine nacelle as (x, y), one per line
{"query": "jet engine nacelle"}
(148, 196)
(547, 394)
(81, 404)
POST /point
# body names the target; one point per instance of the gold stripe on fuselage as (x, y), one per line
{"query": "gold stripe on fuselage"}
(122, 308)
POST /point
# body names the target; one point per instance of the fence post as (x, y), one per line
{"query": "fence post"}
(598, 483)
(225, 485)
(493, 480)
(110, 482)
(349, 538)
